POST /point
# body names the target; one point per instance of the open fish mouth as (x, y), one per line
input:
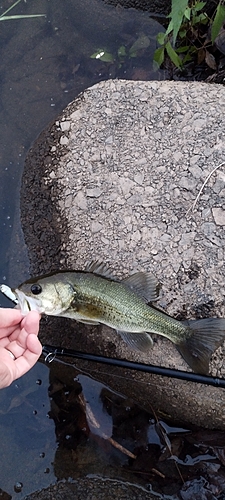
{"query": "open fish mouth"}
(21, 300)
(27, 304)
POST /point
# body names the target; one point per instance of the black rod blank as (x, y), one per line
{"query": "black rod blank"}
(48, 350)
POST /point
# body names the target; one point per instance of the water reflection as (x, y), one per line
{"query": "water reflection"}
(45, 63)
(60, 424)
(101, 432)
(27, 435)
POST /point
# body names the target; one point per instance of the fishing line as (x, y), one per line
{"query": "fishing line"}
(92, 373)
(51, 352)
(96, 375)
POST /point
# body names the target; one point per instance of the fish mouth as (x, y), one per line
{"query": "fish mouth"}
(26, 303)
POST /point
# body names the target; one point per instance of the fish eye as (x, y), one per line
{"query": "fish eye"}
(36, 289)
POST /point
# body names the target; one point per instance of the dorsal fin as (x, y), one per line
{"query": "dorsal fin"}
(144, 284)
(98, 267)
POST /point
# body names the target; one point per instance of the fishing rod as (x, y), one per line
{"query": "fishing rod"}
(51, 352)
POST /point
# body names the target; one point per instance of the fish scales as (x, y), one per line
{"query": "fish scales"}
(114, 304)
(94, 296)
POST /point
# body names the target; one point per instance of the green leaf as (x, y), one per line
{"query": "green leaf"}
(142, 42)
(201, 18)
(97, 54)
(133, 54)
(103, 56)
(173, 55)
(218, 21)
(199, 6)
(170, 27)
(158, 58)
(107, 57)
(121, 51)
(161, 38)
(180, 50)
(182, 33)
(187, 13)
(177, 14)
(187, 58)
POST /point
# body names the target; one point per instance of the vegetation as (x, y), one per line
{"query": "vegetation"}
(123, 52)
(5, 17)
(191, 33)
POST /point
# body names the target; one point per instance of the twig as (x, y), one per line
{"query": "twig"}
(202, 187)
(120, 447)
(158, 473)
(93, 423)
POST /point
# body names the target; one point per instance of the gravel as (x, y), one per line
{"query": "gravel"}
(93, 489)
(115, 178)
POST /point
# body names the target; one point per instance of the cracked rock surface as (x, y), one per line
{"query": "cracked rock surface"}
(105, 489)
(114, 179)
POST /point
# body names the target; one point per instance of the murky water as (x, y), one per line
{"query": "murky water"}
(58, 423)
(45, 63)
(28, 441)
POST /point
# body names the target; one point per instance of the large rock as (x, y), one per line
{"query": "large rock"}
(114, 178)
(105, 489)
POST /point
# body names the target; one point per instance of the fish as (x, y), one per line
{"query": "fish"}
(94, 296)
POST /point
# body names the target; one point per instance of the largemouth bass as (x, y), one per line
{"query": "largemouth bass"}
(94, 296)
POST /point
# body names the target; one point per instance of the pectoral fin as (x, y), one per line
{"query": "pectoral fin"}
(137, 341)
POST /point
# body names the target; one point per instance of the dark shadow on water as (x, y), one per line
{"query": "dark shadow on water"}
(59, 424)
(27, 434)
(62, 424)
(45, 63)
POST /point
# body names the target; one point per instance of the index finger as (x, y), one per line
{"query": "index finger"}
(9, 318)
(31, 322)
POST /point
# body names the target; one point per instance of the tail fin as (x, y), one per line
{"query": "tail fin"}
(205, 336)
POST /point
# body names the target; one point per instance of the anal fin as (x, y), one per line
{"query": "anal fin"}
(137, 341)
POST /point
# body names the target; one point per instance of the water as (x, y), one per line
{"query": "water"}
(58, 423)
(61, 424)
(45, 63)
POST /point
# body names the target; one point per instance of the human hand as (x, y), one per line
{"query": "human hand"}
(19, 345)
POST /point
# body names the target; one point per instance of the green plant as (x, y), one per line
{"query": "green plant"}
(123, 53)
(190, 32)
(5, 17)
